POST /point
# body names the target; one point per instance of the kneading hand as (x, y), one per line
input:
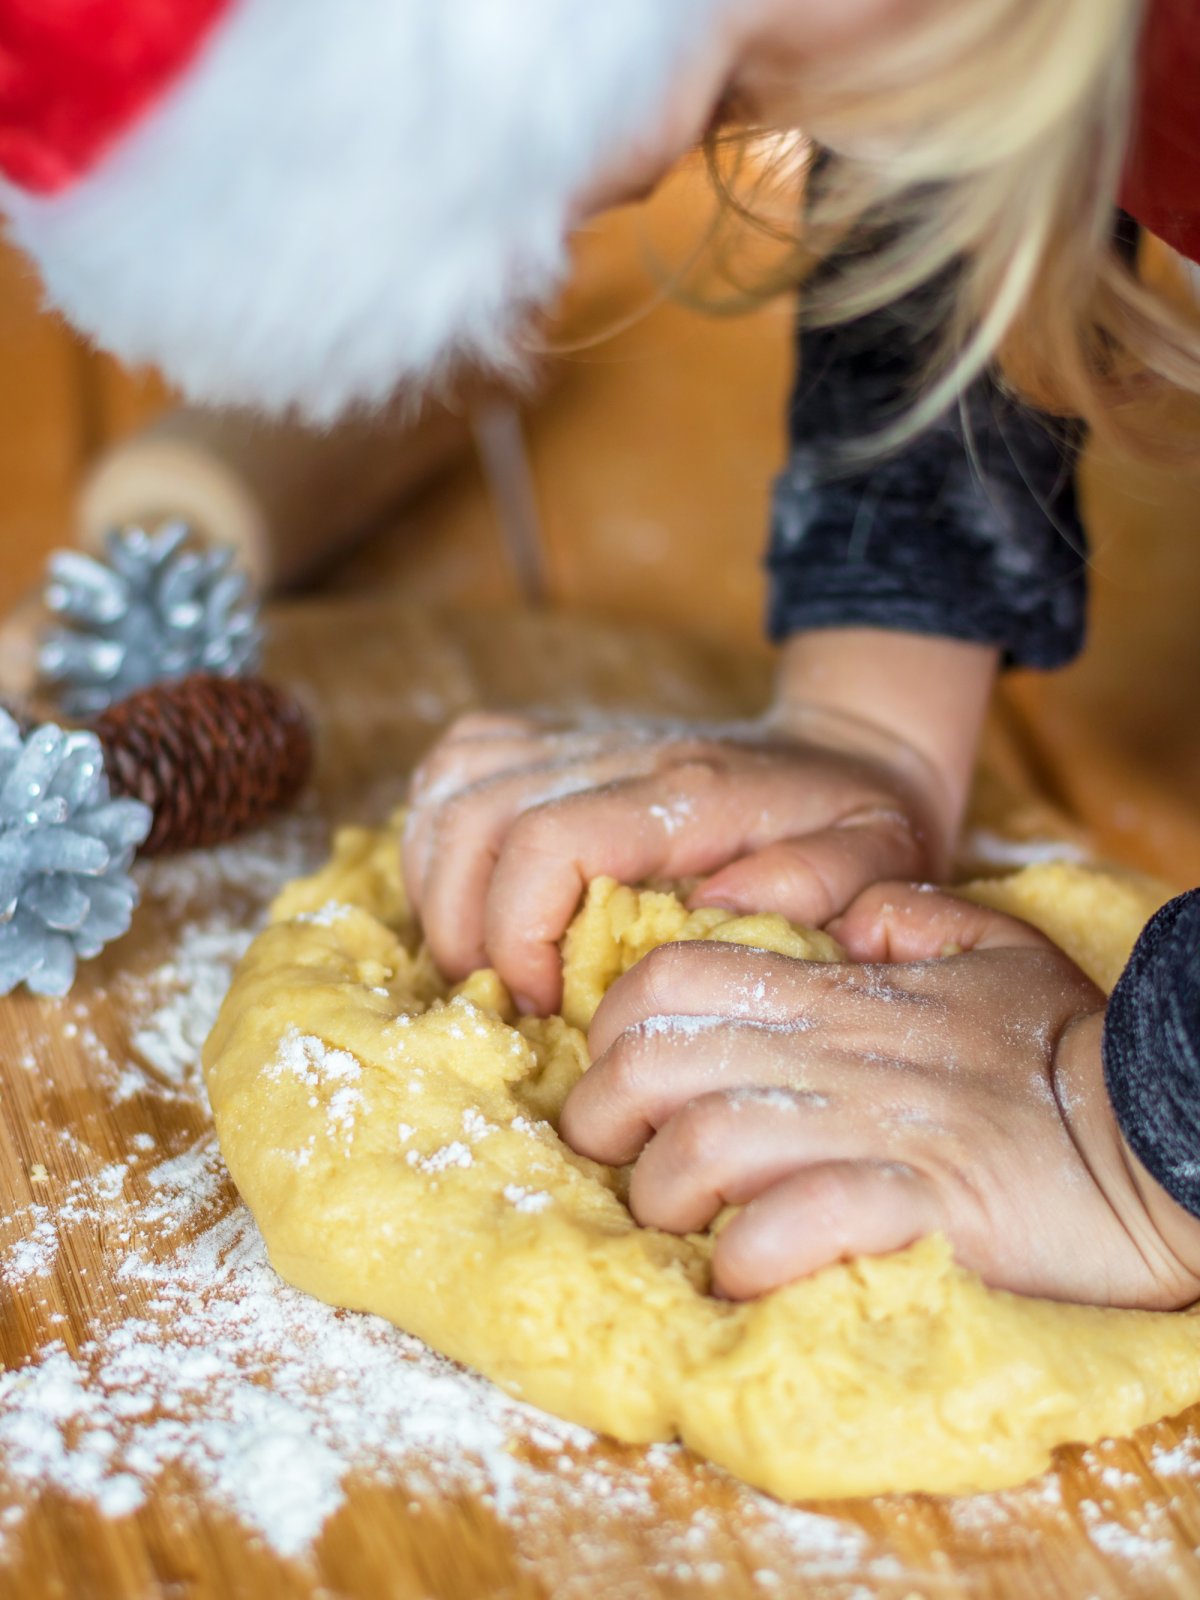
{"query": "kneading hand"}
(853, 1109)
(511, 818)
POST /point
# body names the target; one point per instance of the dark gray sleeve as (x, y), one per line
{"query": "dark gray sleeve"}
(971, 531)
(1152, 1050)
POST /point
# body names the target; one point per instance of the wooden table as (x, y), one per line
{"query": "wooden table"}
(127, 1471)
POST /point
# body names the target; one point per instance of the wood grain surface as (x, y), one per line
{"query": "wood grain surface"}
(1120, 1520)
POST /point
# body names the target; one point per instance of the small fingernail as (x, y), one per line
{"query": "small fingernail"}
(715, 902)
(526, 1006)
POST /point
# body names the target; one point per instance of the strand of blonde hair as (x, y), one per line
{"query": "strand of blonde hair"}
(987, 143)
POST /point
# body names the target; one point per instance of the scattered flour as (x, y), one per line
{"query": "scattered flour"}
(34, 1255)
(531, 1200)
(998, 850)
(454, 1154)
(270, 1401)
(673, 816)
(169, 1041)
(1180, 1460)
(313, 1061)
(332, 911)
(207, 1362)
(475, 1125)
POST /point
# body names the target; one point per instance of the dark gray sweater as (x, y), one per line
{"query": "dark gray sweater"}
(972, 532)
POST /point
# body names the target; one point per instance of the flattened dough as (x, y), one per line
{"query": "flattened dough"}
(396, 1145)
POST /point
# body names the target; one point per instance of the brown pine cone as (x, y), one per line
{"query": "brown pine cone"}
(211, 756)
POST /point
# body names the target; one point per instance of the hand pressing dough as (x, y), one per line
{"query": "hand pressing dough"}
(396, 1143)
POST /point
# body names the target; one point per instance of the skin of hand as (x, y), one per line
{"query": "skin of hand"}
(510, 818)
(852, 1109)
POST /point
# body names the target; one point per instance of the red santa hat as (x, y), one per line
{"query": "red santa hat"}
(1162, 180)
(312, 202)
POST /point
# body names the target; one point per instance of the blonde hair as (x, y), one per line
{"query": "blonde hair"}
(986, 142)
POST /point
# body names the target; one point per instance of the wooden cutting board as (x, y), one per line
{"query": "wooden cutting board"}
(174, 1422)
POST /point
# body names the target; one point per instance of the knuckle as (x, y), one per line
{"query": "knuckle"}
(808, 888)
(456, 814)
(542, 829)
(625, 1068)
(878, 899)
(890, 840)
(478, 725)
(896, 824)
(699, 1131)
(829, 1202)
(425, 774)
(696, 769)
(814, 987)
(660, 976)
(439, 776)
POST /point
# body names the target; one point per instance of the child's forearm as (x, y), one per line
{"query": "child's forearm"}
(917, 700)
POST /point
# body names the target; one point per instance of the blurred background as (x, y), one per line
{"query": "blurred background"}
(631, 484)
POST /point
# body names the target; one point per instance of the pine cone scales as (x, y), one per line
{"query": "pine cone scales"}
(152, 609)
(65, 849)
(212, 756)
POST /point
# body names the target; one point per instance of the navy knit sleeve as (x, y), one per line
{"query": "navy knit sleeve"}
(1152, 1050)
(971, 531)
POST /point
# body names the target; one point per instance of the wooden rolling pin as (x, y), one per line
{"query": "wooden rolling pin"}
(289, 498)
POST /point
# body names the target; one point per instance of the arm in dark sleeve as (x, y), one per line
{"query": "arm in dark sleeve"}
(1152, 1050)
(971, 531)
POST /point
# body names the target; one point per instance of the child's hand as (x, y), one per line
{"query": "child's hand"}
(851, 1110)
(859, 774)
(511, 819)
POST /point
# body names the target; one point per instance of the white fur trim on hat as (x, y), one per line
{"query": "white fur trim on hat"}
(346, 196)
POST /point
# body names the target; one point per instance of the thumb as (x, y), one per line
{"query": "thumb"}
(913, 922)
(814, 877)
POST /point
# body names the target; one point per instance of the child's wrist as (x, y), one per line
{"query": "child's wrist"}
(1167, 1235)
(913, 702)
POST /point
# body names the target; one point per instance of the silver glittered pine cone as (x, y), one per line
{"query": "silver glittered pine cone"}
(65, 850)
(155, 609)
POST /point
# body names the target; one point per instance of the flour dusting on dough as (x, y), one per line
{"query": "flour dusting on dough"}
(530, 1201)
(900, 1372)
(206, 1364)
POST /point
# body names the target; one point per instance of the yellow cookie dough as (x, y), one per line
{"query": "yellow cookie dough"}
(396, 1144)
